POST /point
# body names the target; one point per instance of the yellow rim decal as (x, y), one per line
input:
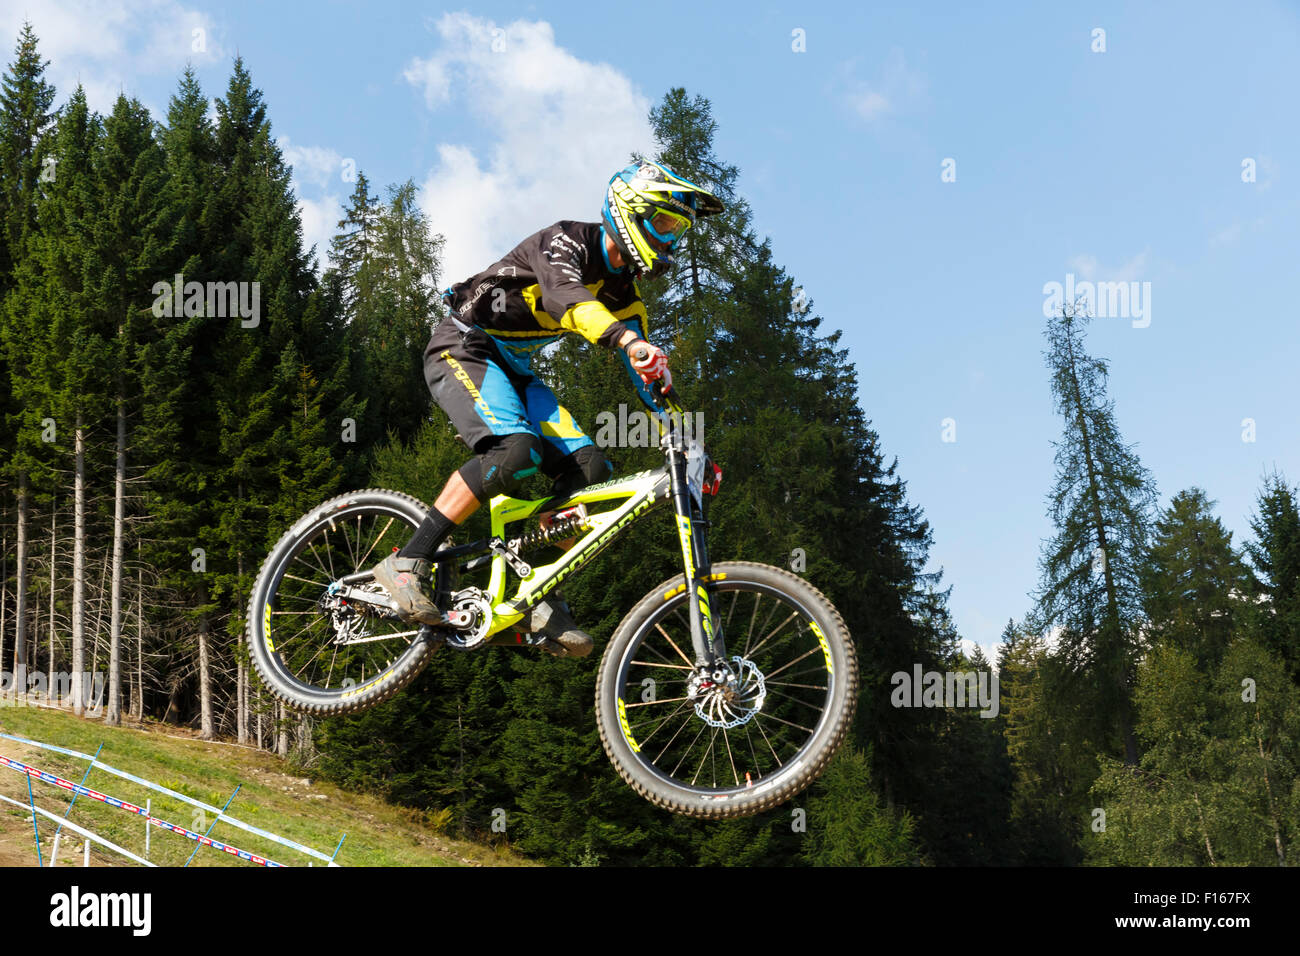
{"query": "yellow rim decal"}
(364, 687)
(266, 629)
(826, 648)
(627, 731)
(673, 592)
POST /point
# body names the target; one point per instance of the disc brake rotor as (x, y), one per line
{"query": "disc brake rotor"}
(732, 701)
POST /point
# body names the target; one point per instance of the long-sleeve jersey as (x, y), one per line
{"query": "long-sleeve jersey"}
(555, 282)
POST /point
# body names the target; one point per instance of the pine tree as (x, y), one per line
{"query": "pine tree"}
(1053, 759)
(68, 344)
(847, 826)
(25, 119)
(1101, 508)
(1275, 554)
(129, 174)
(1195, 585)
(175, 436)
(25, 122)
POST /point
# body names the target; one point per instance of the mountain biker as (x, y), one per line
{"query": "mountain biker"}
(571, 277)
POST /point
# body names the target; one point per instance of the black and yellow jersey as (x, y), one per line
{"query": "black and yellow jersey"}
(556, 281)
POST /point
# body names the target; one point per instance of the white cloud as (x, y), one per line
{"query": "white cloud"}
(870, 104)
(560, 126)
(106, 45)
(318, 165)
(1085, 266)
(320, 218)
(898, 88)
(1088, 268)
(318, 171)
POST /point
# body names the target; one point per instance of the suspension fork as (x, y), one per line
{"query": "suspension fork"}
(693, 537)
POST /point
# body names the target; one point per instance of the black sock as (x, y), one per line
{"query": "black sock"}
(431, 533)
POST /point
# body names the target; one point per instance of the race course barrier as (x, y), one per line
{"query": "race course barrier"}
(132, 808)
(200, 839)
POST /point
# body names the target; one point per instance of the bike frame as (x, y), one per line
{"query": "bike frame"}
(679, 481)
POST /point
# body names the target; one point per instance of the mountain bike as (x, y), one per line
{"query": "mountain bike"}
(722, 693)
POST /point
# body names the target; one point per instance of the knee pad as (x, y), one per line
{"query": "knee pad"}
(499, 468)
(586, 466)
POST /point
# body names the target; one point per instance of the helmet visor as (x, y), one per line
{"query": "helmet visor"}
(667, 227)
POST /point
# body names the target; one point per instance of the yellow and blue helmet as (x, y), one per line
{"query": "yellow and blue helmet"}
(648, 209)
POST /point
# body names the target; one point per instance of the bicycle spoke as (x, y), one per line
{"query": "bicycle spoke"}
(674, 644)
(365, 557)
(754, 652)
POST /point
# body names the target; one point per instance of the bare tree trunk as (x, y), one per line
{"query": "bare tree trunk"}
(1272, 807)
(241, 673)
(282, 732)
(139, 639)
(113, 715)
(1205, 834)
(260, 737)
(4, 581)
(205, 681)
(304, 737)
(49, 664)
(36, 630)
(20, 591)
(97, 630)
(79, 570)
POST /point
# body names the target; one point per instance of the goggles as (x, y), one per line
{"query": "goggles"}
(667, 227)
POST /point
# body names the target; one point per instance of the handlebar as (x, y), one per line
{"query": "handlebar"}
(661, 395)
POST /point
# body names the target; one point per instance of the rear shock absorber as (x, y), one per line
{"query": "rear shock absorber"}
(564, 524)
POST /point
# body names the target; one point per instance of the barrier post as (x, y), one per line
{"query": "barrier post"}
(31, 801)
(84, 777)
(213, 824)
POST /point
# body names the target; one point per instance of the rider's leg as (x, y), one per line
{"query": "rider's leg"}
(501, 464)
(485, 404)
(573, 461)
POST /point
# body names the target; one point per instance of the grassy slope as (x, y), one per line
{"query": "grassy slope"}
(272, 798)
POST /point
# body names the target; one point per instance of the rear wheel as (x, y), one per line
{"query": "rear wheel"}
(319, 653)
(715, 748)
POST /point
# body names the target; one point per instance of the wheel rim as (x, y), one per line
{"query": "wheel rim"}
(318, 641)
(733, 737)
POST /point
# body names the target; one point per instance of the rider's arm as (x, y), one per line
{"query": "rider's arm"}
(624, 342)
(558, 262)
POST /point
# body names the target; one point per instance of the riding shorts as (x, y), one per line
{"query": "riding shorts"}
(486, 393)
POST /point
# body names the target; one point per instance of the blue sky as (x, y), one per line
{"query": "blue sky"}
(1122, 165)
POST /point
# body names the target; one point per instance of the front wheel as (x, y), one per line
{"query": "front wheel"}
(711, 749)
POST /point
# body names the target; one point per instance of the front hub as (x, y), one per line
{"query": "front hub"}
(727, 694)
